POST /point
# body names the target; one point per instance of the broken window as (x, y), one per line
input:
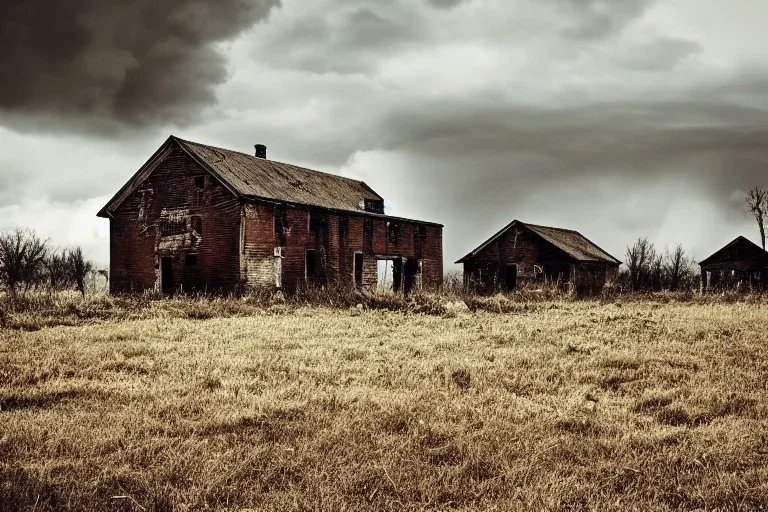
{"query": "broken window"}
(280, 225)
(190, 260)
(317, 222)
(368, 234)
(199, 189)
(173, 224)
(374, 205)
(197, 224)
(393, 232)
(311, 266)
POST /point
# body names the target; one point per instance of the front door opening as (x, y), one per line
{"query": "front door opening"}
(311, 266)
(410, 269)
(166, 274)
(384, 279)
(511, 277)
(389, 274)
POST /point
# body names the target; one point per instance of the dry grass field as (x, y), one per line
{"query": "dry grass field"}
(547, 405)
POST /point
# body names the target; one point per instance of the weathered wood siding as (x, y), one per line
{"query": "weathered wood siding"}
(486, 271)
(170, 197)
(334, 248)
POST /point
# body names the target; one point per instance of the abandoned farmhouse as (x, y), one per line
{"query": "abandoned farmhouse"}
(526, 253)
(201, 218)
(741, 264)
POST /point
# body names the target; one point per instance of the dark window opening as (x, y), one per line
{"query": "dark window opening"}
(374, 205)
(280, 225)
(197, 224)
(190, 260)
(311, 266)
(368, 235)
(317, 222)
(393, 232)
(200, 182)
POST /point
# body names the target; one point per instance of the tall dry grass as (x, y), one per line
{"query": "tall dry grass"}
(278, 403)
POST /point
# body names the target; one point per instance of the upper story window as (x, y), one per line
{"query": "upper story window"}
(317, 222)
(199, 189)
(197, 224)
(374, 205)
(173, 223)
(393, 232)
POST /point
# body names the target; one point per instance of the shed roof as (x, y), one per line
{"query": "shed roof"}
(251, 177)
(739, 250)
(573, 243)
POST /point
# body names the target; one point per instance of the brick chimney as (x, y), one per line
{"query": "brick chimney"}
(261, 150)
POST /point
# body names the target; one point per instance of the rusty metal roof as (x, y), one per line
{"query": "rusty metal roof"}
(268, 179)
(573, 243)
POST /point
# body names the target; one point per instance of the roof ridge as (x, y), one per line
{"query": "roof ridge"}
(551, 227)
(217, 148)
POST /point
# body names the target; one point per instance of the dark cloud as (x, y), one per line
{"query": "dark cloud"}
(446, 4)
(592, 19)
(662, 54)
(105, 63)
(347, 40)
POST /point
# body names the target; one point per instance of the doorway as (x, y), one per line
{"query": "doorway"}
(166, 274)
(410, 270)
(311, 266)
(511, 277)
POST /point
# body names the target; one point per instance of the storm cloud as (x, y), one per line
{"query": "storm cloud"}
(619, 119)
(97, 64)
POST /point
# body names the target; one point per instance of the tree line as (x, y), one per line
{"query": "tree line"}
(648, 269)
(30, 262)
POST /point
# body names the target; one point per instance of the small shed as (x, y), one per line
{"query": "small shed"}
(524, 253)
(740, 264)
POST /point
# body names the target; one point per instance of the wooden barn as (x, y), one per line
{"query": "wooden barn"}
(741, 263)
(523, 253)
(201, 218)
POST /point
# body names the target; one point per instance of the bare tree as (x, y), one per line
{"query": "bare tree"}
(678, 269)
(57, 266)
(79, 268)
(641, 260)
(22, 259)
(757, 204)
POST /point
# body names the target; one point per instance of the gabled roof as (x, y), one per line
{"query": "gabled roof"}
(251, 177)
(751, 250)
(572, 243)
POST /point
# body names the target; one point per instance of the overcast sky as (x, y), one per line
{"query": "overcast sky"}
(616, 118)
